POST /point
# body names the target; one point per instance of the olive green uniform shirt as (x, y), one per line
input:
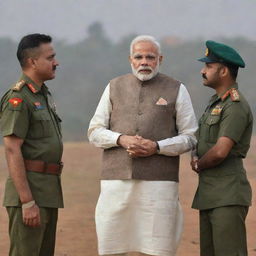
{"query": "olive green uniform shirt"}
(28, 111)
(226, 183)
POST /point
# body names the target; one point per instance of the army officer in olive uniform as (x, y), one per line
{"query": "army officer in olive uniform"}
(224, 193)
(31, 133)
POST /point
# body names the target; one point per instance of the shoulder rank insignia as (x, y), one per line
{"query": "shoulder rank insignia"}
(15, 101)
(32, 88)
(234, 94)
(216, 111)
(19, 85)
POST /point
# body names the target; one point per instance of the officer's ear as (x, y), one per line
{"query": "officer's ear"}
(223, 72)
(30, 62)
(160, 59)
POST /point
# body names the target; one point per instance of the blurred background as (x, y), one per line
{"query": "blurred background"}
(92, 40)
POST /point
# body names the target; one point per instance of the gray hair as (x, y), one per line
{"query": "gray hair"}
(145, 38)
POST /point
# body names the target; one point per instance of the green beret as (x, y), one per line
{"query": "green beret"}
(217, 52)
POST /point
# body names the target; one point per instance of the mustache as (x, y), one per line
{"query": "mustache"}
(204, 76)
(144, 68)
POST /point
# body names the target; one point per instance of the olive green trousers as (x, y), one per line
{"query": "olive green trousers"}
(29, 241)
(223, 231)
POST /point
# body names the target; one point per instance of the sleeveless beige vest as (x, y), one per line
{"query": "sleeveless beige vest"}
(134, 111)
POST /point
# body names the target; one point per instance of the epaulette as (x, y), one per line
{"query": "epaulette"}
(19, 85)
(234, 95)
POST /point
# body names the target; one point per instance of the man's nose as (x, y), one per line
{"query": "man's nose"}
(144, 62)
(56, 63)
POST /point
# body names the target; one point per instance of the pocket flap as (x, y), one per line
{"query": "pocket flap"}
(213, 119)
(42, 115)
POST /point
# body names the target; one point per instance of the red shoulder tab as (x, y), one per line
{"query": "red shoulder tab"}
(225, 95)
(234, 95)
(32, 88)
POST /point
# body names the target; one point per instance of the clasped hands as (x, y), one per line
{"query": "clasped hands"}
(137, 146)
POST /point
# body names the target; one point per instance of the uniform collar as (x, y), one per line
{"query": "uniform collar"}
(224, 95)
(30, 84)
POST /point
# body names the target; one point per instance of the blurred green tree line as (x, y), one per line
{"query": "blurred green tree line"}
(87, 66)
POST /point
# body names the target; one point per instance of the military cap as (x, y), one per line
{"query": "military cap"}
(218, 52)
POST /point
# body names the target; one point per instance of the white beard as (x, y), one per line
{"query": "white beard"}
(145, 77)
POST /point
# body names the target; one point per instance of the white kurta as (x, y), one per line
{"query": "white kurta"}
(137, 215)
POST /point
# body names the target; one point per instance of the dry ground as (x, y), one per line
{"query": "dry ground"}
(76, 231)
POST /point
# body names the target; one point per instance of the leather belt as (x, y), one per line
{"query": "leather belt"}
(43, 167)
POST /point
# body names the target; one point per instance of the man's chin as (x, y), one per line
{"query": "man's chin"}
(207, 85)
(145, 77)
(50, 77)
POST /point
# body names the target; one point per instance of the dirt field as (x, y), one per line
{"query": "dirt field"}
(76, 230)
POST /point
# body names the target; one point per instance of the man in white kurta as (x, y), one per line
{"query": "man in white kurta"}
(142, 215)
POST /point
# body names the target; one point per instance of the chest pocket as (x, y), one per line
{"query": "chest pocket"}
(212, 128)
(40, 126)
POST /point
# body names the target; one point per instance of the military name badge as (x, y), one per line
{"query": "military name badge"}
(216, 111)
(15, 103)
(38, 105)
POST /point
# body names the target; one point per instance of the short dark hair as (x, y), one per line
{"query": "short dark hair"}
(233, 70)
(28, 43)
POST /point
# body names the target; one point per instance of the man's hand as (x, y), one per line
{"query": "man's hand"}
(127, 141)
(143, 148)
(137, 146)
(194, 164)
(31, 216)
(215, 155)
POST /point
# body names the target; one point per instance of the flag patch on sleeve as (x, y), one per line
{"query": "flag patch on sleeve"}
(15, 101)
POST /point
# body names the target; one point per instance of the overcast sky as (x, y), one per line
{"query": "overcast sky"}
(186, 19)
